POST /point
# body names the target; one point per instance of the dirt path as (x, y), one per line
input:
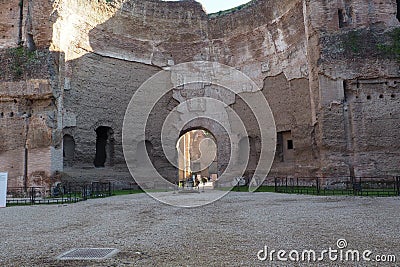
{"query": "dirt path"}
(229, 232)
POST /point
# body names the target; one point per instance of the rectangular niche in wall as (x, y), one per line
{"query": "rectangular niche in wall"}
(285, 146)
(345, 16)
(68, 150)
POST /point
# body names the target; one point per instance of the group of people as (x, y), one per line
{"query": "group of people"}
(194, 181)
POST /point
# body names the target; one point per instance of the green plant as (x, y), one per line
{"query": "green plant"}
(17, 55)
(353, 42)
(392, 47)
(127, 192)
(21, 60)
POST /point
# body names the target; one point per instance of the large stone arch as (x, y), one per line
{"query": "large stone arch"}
(221, 137)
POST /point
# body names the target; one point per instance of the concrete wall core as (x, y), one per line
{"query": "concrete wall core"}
(326, 68)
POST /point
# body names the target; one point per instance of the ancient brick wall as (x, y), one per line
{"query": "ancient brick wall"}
(355, 111)
(28, 83)
(9, 23)
(26, 118)
(161, 34)
(316, 62)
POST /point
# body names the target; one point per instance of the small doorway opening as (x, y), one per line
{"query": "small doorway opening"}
(68, 150)
(197, 158)
(285, 147)
(104, 147)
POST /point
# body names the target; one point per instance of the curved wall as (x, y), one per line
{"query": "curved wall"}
(295, 50)
(107, 62)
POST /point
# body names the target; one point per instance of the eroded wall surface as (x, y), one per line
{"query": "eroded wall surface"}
(109, 60)
(331, 86)
(353, 82)
(30, 149)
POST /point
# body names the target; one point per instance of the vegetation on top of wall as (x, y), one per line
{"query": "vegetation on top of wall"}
(353, 42)
(391, 48)
(18, 63)
(362, 43)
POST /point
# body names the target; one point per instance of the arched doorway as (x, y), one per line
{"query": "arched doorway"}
(104, 147)
(197, 157)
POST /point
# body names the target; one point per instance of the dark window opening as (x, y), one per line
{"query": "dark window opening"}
(398, 10)
(345, 16)
(1, 115)
(341, 18)
(368, 97)
(345, 93)
(289, 144)
(279, 146)
(30, 42)
(380, 96)
(11, 114)
(104, 147)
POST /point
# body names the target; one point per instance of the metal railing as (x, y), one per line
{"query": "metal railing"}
(58, 194)
(360, 186)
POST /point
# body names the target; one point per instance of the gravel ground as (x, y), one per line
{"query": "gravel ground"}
(228, 232)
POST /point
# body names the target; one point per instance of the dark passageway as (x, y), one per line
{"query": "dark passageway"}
(102, 145)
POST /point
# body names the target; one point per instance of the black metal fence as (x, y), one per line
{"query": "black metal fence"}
(360, 186)
(58, 194)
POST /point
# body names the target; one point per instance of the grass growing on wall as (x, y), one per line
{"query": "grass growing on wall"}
(363, 44)
(392, 47)
(353, 42)
(18, 62)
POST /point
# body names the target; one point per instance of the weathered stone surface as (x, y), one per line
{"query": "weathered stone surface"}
(329, 70)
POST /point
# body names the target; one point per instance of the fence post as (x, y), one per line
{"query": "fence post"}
(109, 189)
(318, 186)
(85, 192)
(357, 189)
(286, 187)
(32, 195)
(276, 184)
(398, 185)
